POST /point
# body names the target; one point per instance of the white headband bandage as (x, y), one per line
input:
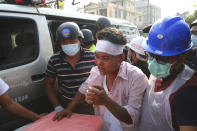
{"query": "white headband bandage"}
(108, 47)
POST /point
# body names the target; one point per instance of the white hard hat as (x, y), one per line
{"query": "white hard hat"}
(135, 45)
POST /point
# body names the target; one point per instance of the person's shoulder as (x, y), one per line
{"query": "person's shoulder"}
(136, 78)
(134, 70)
(135, 74)
(55, 56)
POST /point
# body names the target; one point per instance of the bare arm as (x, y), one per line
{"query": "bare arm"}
(67, 112)
(16, 108)
(77, 99)
(99, 97)
(49, 86)
(119, 112)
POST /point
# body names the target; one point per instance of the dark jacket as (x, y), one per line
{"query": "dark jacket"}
(191, 60)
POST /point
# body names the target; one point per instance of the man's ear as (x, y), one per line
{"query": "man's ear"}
(80, 40)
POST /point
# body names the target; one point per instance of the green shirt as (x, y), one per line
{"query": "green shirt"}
(92, 48)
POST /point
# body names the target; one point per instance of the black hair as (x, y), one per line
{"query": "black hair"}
(111, 34)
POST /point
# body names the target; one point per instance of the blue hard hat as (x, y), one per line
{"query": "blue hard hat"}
(169, 36)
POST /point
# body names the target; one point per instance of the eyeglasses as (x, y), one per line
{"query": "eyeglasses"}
(160, 59)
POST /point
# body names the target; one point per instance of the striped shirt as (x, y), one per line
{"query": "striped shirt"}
(69, 78)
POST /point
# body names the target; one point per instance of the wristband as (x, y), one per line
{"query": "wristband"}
(58, 108)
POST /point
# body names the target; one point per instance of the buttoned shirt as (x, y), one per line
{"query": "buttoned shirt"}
(127, 90)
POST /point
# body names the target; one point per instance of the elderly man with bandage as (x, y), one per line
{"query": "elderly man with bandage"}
(114, 87)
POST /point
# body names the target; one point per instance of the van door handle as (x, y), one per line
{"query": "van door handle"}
(38, 77)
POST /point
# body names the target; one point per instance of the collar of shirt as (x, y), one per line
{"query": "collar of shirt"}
(123, 71)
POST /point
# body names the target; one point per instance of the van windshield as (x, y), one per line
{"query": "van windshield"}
(129, 32)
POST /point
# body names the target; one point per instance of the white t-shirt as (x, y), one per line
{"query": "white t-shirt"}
(3, 87)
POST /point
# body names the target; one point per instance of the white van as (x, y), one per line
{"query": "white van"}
(27, 41)
(128, 29)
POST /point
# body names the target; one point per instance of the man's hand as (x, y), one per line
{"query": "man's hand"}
(42, 115)
(65, 113)
(96, 95)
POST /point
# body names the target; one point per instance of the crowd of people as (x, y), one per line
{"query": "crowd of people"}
(148, 84)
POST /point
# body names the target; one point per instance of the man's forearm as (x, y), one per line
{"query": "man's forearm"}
(17, 109)
(21, 111)
(77, 99)
(118, 111)
(52, 95)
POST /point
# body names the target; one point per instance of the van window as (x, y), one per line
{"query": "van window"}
(18, 42)
(128, 31)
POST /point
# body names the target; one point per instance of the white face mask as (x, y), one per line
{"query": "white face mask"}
(70, 49)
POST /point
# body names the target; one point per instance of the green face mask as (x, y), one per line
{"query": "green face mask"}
(159, 70)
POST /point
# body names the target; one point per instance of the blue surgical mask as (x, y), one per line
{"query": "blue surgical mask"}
(70, 49)
(194, 40)
(159, 70)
